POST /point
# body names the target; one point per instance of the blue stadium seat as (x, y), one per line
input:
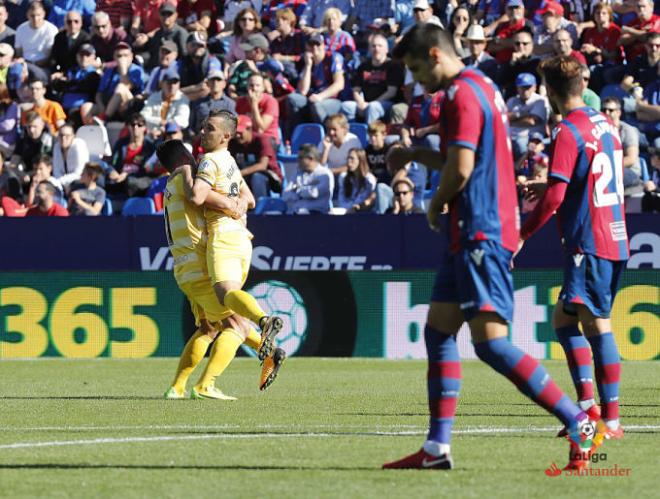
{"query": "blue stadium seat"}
(305, 133)
(138, 206)
(107, 208)
(361, 130)
(157, 186)
(270, 206)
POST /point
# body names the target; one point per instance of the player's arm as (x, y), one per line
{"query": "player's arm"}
(247, 197)
(398, 157)
(196, 189)
(547, 206)
(457, 171)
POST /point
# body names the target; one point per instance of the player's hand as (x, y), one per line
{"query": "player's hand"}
(534, 189)
(436, 208)
(398, 157)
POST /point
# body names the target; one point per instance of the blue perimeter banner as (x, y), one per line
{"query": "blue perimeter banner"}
(361, 242)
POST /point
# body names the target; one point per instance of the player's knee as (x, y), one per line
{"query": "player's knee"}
(446, 318)
(239, 324)
(560, 318)
(222, 288)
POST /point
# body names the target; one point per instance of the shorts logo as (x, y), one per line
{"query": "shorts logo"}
(577, 259)
(477, 256)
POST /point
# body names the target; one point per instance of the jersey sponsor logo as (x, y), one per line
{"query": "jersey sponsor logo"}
(477, 256)
(577, 259)
(264, 258)
(206, 164)
(618, 231)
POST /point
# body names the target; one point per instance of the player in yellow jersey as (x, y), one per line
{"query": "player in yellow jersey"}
(186, 235)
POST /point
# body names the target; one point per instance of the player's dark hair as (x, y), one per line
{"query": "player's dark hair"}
(420, 39)
(563, 75)
(229, 119)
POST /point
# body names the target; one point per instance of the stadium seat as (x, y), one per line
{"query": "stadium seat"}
(305, 133)
(107, 208)
(270, 206)
(361, 131)
(138, 206)
(157, 186)
(93, 137)
(114, 129)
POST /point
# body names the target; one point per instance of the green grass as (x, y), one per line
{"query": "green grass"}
(322, 430)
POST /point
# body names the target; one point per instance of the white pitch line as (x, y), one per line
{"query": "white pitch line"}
(234, 436)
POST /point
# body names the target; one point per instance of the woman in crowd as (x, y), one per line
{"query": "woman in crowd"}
(357, 186)
(247, 22)
(337, 142)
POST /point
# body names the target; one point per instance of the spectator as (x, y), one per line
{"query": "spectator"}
(262, 108)
(423, 13)
(645, 67)
(89, 199)
(70, 154)
(248, 24)
(234, 8)
(60, 9)
(256, 59)
(269, 12)
(167, 56)
(68, 41)
(403, 203)
(129, 176)
(422, 124)
(195, 65)
(35, 37)
(311, 19)
(633, 36)
(553, 20)
(46, 205)
(146, 16)
(376, 84)
(287, 44)
(49, 110)
(336, 39)
(10, 184)
(80, 83)
(7, 34)
(215, 100)
(600, 44)
(152, 165)
(311, 190)
(502, 45)
(8, 122)
(105, 38)
(376, 152)
(198, 15)
(337, 142)
(148, 47)
(357, 186)
(478, 57)
(563, 45)
(527, 113)
(534, 163)
(256, 159)
(458, 27)
(43, 172)
(321, 81)
(33, 143)
(416, 173)
(589, 97)
(522, 61)
(119, 84)
(169, 105)
(119, 11)
(6, 56)
(632, 172)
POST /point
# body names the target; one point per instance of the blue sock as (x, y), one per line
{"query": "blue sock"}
(443, 382)
(578, 354)
(529, 376)
(608, 373)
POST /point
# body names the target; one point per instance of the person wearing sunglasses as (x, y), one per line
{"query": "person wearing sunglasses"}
(247, 23)
(501, 46)
(402, 203)
(632, 170)
(104, 37)
(68, 41)
(553, 20)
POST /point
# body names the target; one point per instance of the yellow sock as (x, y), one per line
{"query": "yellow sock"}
(192, 355)
(222, 353)
(244, 304)
(253, 339)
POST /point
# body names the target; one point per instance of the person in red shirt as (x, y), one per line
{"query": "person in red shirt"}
(634, 35)
(262, 108)
(601, 44)
(46, 205)
(501, 46)
(563, 45)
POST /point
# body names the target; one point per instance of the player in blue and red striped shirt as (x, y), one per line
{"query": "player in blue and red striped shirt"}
(585, 187)
(474, 282)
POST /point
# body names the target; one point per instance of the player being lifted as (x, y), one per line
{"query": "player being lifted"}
(229, 246)
(585, 188)
(474, 282)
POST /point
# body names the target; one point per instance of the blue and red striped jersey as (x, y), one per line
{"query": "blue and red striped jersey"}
(586, 153)
(474, 116)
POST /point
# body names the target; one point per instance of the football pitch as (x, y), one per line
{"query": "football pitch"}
(99, 428)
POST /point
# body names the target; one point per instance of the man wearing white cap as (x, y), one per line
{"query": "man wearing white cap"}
(478, 57)
(423, 13)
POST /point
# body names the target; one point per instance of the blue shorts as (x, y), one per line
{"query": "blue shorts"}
(591, 281)
(478, 278)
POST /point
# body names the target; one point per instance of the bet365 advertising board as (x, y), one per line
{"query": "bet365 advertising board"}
(362, 313)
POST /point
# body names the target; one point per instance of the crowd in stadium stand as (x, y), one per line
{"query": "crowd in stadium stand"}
(89, 89)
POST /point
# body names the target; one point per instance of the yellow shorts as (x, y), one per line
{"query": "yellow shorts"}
(204, 302)
(228, 256)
